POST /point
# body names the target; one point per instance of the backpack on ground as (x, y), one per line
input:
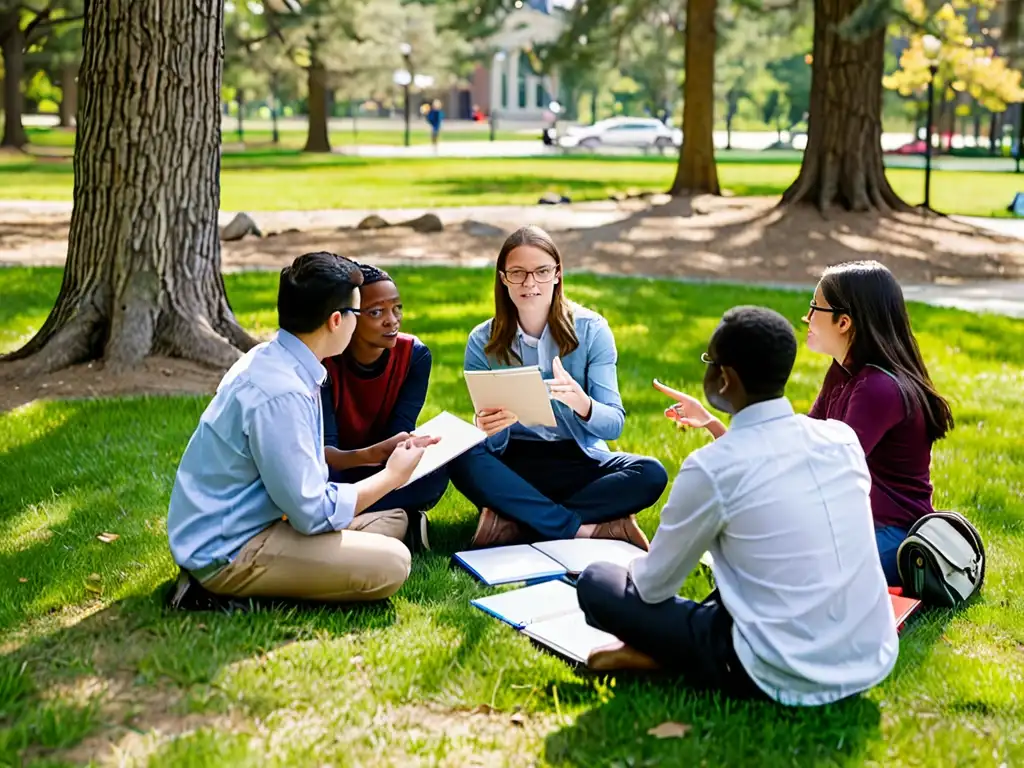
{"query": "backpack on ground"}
(942, 560)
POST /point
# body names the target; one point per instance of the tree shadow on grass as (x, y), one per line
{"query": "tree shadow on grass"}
(725, 732)
(721, 732)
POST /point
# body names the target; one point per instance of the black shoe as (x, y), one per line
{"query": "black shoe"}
(416, 534)
(188, 594)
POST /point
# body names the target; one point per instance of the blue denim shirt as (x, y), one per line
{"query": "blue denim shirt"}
(592, 365)
(257, 454)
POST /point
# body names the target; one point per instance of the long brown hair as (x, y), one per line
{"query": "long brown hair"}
(871, 296)
(506, 317)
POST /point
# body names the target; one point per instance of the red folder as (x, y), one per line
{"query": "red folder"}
(902, 607)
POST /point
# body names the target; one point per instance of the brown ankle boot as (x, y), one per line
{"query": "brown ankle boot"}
(493, 530)
(625, 529)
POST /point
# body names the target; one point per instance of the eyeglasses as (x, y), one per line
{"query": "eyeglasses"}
(541, 275)
(831, 310)
(706, 359)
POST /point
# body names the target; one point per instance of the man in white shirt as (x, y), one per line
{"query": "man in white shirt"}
(802, 614)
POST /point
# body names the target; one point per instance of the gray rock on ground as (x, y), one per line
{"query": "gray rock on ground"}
(373, 221)
(476, 228)
(239, 227)
(428, 222)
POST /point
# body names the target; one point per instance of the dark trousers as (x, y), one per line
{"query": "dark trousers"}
(691, 639)
(420, 496)
(888, 540)
(554, 487)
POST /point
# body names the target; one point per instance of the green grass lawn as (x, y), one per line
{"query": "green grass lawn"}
(268, 179)
(291, 139)
(89, 653)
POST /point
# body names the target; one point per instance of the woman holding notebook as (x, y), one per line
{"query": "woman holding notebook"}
(558, 482)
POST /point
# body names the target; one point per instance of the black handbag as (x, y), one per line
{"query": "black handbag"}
(942, 560)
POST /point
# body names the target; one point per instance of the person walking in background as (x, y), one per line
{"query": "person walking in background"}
(435, 117)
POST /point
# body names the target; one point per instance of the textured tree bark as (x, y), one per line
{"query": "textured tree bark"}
(69, 94)
(143, 269)
(12, 49)
(842, 163)
(697, 171)
(317, 139)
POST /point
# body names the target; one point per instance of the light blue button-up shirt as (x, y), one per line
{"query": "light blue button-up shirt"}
(527, 349)
(257, 454)
(592, 365)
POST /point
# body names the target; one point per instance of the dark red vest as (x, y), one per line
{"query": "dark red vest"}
(363, 406)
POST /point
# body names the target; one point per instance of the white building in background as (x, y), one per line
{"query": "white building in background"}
(508, 87)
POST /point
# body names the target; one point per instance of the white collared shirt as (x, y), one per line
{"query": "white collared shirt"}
(782, 503)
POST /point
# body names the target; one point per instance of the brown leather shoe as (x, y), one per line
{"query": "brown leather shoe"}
(618, 655)
(625, 529)
(493, 530)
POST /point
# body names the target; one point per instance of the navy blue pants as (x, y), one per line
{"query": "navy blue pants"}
(554, 487)
(420, 496)
(888, 540)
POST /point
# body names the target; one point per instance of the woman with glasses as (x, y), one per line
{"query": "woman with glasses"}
(879, 385)
(557, 482)
(372, 398)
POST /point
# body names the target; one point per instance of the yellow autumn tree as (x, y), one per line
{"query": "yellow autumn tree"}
(964, 63)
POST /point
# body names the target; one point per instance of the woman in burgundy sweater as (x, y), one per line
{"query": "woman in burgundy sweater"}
(879, 385)
(881, 388)
(373, 396)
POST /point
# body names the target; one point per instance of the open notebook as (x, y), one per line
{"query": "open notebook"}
(549, 614)
(457, 437)
(543, 561)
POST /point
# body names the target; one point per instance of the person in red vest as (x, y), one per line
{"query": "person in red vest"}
(372, 398)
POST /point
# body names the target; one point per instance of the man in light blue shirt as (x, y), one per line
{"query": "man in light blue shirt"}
(252, 513)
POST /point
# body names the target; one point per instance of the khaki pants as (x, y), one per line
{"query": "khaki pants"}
(366, 561)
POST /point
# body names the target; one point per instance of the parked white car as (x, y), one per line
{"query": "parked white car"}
(637, 132)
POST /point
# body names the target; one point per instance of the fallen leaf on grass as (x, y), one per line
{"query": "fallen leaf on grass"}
(670, 730)
(107, 538)
(23, 580)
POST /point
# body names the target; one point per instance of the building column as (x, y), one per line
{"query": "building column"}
(495, 73)
(512, 69)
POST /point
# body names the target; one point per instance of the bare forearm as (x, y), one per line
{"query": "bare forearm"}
(716, 428)
(339, 460)
(374, 488)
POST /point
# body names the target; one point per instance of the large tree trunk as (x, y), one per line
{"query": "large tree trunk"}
(143, 270)
(697, 171)
(12, 49)
(317, 139)
(69, 94)
(842, 163)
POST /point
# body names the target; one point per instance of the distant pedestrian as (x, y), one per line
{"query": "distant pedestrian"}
(435, 117)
